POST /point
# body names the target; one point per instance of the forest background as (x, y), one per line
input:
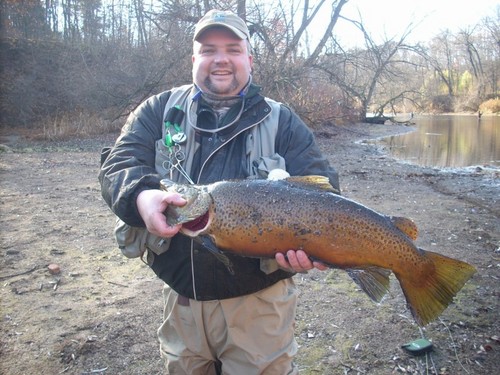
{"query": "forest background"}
(77, 67)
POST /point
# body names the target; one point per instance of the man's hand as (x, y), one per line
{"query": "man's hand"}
(151, 204)
(298, 261)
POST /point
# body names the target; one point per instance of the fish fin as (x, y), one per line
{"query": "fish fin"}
(313, 181)
(406, 226)
(374, 281)
(209, 244)
(428, 295)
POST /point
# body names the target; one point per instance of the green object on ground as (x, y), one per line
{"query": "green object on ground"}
(418, 347)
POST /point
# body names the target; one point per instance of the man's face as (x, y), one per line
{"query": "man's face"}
(221, 62)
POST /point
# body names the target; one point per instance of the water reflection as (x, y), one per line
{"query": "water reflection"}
(449, 141)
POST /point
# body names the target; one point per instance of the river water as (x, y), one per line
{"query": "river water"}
(449, 141)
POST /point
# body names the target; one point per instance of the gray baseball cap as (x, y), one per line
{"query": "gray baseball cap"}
(225, 19)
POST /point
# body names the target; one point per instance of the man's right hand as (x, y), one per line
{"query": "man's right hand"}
(151, 205)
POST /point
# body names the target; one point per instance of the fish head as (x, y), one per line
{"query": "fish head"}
(195, 211)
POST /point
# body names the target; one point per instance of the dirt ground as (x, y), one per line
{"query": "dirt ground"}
(100, 313)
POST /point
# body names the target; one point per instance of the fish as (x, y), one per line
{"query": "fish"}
(262, 217)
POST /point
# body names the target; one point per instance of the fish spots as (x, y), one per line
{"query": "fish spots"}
(272, 214)
(303, 232)
(255, 216)
(258, 217)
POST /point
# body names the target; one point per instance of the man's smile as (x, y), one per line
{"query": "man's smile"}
(222, 73)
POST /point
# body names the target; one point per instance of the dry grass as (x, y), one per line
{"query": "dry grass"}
(75, 124)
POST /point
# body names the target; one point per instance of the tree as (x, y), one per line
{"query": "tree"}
(279, 33)
(467, 40)
(92, 27)
(491, 52)
(364, 74)
(23, 19)
(104, 57)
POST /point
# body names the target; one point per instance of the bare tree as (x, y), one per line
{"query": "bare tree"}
(142, 34)
(279, 43)
(441, 56)
(92, 29)
(467, 40)
(115, 53)
(372, 71)
(491, 51)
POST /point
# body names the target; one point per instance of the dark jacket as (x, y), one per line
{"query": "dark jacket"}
(130, 168)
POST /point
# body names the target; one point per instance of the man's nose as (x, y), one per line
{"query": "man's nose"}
(221, 57)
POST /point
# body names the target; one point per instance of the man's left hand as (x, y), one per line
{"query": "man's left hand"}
(298, 261)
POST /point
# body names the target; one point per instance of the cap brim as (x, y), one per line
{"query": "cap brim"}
(237, 32)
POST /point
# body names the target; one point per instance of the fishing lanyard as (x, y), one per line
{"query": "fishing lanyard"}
(174, 138)
(192, 122)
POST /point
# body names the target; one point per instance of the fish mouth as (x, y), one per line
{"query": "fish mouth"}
(198, 223)
(194, 227)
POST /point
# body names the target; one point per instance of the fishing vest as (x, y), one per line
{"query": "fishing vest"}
(185, 265)
(260, 141)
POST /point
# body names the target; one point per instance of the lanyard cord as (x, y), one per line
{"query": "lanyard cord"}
(192, 123)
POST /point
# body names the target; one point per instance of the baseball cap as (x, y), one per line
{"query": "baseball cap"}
(225, 19)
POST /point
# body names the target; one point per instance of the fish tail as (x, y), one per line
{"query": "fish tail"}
(429, 295)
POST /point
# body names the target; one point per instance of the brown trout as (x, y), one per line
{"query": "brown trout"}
(259, 218)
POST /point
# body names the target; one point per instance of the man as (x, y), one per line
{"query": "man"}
(215, 321)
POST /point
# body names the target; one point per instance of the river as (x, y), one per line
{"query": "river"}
(449, 141)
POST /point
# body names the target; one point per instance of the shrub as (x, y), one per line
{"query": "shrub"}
(441, 104)
(490, 106)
